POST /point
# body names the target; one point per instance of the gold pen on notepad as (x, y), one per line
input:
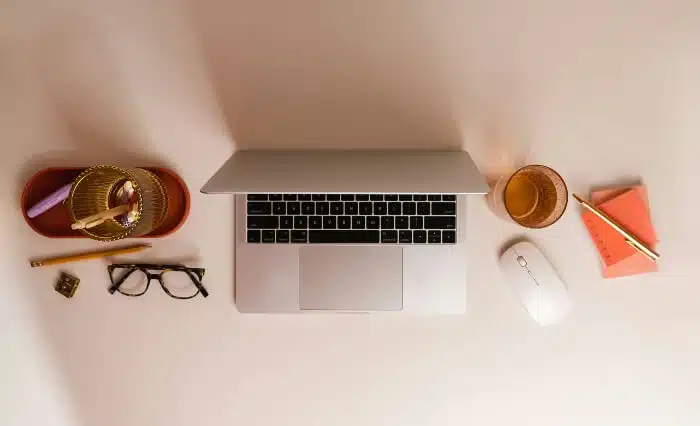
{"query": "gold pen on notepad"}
(629, 238)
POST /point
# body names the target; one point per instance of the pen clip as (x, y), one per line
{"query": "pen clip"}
(640, 249)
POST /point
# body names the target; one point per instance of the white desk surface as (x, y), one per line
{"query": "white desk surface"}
(604, 92)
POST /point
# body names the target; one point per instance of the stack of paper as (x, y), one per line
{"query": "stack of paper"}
(629, 207)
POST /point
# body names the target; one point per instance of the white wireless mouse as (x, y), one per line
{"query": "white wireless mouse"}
(536, 282)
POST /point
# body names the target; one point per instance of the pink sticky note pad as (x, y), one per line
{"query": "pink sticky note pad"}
(630, 208)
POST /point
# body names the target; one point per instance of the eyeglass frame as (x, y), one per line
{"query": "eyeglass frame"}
(195, 274)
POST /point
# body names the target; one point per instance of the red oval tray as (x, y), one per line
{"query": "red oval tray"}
(55, 223)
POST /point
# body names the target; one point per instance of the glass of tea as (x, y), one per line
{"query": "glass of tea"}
(533, 196)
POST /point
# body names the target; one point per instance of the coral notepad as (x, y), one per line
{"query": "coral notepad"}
(629, 207)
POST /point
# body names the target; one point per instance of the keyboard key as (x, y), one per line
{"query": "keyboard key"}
(351, 208)
(290, 197)
(345, 236)
(409, 208)
(286, 222)
(423, 209)
(389, 236)
(440, 222)
(434, 197)
(260, 222)
(333, 197)
(282, 236)
(444, 208)
(372, 222)
(401, 222)
(337, 208)
(259, 207)
(434, 237)
(268, 236)
(404, 236)
(358, 222)
(257, 197)
(315, 222)
(448, 237)
(304, 197)
(361, 197)
(376, 197)
(387, 222)
(307, 208)
(275, 197)
(322, 208)
(299, 236)
(405, 197)
(420, 197)
(343, 222)
(293, 208)
(279, 208)
(448, 197)
(391, 197)
(300, 222)
(419, 236)
(416, 222)
(318, 197)
(395, 208)
(379, 208)
(347, 197)
(253, 236)
(365, 209)
(329, 222)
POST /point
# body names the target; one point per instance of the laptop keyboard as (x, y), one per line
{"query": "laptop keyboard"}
(352, 218)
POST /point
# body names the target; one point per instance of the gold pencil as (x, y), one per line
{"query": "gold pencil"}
(629, 238)
(89, 255)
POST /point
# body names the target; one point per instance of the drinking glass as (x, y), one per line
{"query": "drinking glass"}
(533, 196)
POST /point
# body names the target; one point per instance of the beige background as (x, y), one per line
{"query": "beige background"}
(603, 91)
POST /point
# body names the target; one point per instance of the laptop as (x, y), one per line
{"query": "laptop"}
(350, 231)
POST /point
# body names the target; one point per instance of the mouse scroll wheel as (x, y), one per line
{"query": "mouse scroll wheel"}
(522, 261)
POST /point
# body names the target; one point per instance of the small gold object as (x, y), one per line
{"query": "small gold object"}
(67, 284)
(629, 238)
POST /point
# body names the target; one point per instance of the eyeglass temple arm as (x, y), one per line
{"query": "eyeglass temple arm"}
(198, 275)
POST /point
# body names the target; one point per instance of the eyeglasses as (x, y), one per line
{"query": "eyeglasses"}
(178, 281)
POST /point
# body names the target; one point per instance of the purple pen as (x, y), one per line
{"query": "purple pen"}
(45, 204)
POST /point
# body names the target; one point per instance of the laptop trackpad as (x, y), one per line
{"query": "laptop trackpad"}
(353, 278)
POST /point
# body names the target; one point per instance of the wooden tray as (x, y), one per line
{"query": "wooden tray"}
(55, 223)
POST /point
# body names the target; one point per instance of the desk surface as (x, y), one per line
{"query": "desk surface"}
(603, 92)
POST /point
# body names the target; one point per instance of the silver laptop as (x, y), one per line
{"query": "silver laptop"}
(350, 231)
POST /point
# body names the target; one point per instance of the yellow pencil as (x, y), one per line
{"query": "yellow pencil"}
(629, 238)
(90, 255)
